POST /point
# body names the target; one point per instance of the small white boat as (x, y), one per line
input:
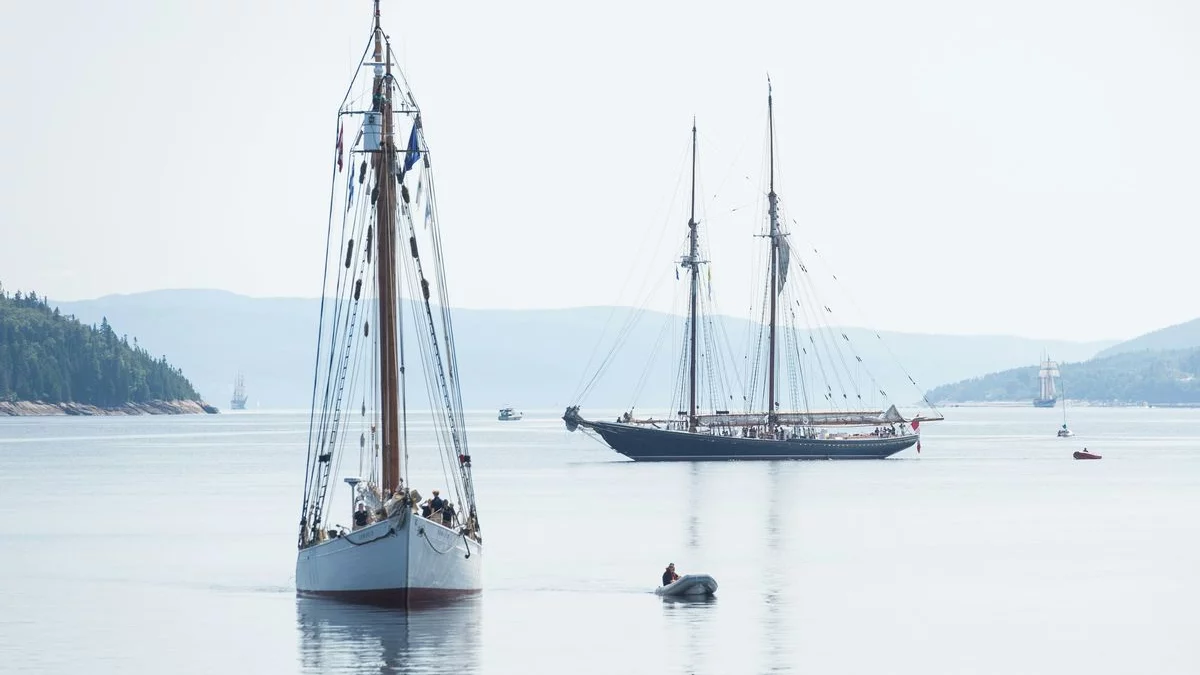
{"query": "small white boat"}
(509, 415)
(690, 585)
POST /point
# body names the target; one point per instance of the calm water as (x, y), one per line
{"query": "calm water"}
(167, 545)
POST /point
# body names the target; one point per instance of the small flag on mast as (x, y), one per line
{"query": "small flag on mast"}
(413, 154)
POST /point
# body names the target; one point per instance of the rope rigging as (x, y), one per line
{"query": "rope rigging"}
(589, 377)
(347, 375)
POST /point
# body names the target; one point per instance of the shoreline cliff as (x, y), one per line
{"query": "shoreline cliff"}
(41, 409)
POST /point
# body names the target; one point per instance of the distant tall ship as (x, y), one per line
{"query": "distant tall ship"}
(1048, 396)
(384, 258)
(238, 402)
(823, 424)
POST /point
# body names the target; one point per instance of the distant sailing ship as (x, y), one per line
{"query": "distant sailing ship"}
(1046, 374)
(238, 402)
(384, 253)
(841, 430)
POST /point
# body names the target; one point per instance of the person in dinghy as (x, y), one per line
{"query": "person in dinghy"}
(669, 576)
(689, 586)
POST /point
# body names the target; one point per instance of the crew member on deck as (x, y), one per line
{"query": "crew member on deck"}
(437, 503)
(669, 575)
(361, 517)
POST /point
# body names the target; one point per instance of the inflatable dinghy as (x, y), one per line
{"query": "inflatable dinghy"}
(688, 585)
(1084, 454)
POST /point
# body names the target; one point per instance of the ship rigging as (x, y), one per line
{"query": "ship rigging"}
(822, 421)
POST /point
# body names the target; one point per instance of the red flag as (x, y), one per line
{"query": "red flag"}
(339, 147)
(916, 424)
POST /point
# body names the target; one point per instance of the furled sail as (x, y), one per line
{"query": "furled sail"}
(784, 258)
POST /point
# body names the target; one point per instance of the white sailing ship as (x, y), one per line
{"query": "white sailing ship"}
(395, 549)
(238, 400)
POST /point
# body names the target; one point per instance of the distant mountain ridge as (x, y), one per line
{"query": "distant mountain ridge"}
(525, 358)
(1184, 335)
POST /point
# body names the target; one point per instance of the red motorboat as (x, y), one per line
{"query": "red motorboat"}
(1084, 454)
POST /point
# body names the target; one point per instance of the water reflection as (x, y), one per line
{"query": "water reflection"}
(692, 618)
(695, 493)
(774, 572)
(690, 600)
(336, 637)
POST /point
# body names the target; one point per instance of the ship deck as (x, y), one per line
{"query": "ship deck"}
(643, 443)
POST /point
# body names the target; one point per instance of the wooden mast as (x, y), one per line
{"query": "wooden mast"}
(694, 264)
(385, 223)
(773, 210)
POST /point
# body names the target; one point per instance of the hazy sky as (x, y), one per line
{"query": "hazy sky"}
(1022, 167)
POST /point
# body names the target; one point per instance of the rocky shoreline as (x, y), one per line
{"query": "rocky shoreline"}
(35, 408)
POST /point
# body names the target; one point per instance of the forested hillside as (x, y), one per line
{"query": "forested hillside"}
(1154, 377)
(46, 356)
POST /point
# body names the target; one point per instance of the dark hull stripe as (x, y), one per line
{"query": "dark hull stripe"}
(393, 597)
(660, 445)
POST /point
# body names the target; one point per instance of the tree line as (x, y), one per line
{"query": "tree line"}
(46, 356)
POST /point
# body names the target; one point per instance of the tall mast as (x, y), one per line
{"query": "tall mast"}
(1064, 398)
(773, 210)
(385, 223)
(694, 264)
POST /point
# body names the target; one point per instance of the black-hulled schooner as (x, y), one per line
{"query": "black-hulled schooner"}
(383, 544)
(837, 427)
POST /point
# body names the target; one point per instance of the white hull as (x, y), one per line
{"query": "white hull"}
(689, 585)
(404, 558)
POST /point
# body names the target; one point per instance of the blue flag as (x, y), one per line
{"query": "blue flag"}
(413, 155)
